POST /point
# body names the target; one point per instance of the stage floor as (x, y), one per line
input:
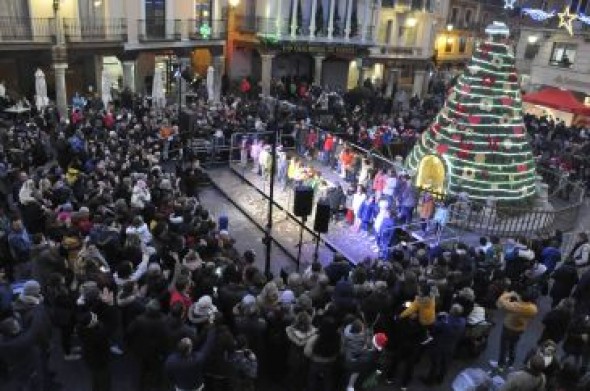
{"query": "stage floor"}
(246, 189)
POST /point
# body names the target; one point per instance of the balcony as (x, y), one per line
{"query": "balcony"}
(27, 30)
(159, 30)
(206, 29)
(95, 30)
(400, 52)
(410, 5)
(278, 29)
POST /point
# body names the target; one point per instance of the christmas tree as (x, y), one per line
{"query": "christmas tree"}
(477, 143)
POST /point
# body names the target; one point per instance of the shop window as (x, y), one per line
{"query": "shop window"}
(462, 44)
(449, 45)
(563, 54)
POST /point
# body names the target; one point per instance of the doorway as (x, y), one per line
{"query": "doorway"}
(431, 174)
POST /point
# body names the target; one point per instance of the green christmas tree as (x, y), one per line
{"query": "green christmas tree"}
(477, 143)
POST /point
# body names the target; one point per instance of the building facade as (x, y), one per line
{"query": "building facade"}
(549, 56)
(463, 28)
(75, 41)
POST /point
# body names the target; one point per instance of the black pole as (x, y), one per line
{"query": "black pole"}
(179, 81)
(317, 247)
(271, 198)
(300, 245)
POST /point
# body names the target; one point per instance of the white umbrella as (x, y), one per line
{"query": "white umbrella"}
(210, 83)
(158, 96)
(106, 89)
(41, 99)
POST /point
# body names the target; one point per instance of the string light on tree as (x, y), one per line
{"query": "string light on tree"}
(566, 20)
(509, 4)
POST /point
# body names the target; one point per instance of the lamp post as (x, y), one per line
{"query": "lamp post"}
(271, 199)
(231, 27)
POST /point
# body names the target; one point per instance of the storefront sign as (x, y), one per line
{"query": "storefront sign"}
(318, 49)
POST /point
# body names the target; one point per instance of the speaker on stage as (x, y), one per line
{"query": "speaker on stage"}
(303, 201)
(322, 217)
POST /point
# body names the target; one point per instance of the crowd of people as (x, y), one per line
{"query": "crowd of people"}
(106, 251)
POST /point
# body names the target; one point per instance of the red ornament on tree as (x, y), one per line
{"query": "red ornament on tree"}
(493, 143)
(441, 149)
(465, 89)
(519, 131)
(457, 137)
(512, 78)
(474, 119)
(488, 81)
(521, 168)
(506, 101)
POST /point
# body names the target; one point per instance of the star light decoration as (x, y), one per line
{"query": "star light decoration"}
(205, 30)
(566, 20)
(509, 4)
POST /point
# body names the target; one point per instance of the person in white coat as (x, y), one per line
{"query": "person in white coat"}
(140, 228)
(140, 195)
(357, 201)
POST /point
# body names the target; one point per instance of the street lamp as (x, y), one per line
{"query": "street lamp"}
(450, 27)
(55, 6)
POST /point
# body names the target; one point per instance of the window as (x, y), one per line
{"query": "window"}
(388, 32)
(202, 9)
(531, 50)
(462, 44)
(454, 15)
(468, 15)
(449, 45)
(16, 22)
(563, 54)
(155, 15)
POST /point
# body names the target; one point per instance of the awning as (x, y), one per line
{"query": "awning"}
(558, 99)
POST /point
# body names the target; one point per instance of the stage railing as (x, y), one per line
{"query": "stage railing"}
(565, 196)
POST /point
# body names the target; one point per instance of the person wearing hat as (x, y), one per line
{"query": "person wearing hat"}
(202, 311)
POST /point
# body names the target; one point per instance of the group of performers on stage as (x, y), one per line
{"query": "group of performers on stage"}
(377, 203)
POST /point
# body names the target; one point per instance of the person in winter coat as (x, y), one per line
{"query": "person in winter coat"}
(21, 356)
(565, 278)
(184, 367)
(140, 228)
(95, 350)
(148, 340)
(557, 321)
(447, 332)
(20, 244)
(548, 351)
(581, 251)
(424, 305)
(406, 199)
(328, 148)
(576, 342)
(379, 183)
(323, 350)
(298, 334)
(358, 199)
(140, 195)
(367, 213)
(530, 378)
(405, 337)
(355, 350)
(520, 310)
(248, 322)
(426, 209)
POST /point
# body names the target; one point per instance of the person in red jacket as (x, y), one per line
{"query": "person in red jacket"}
(311, 142)
(328, 148)
(180, 294)
(245, 87)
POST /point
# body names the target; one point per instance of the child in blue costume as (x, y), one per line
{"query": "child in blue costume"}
(385, 236)
(367, 214)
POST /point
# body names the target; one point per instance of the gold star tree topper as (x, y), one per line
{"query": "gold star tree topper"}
(566, 19)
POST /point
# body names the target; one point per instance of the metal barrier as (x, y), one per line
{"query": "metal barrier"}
(566, 198)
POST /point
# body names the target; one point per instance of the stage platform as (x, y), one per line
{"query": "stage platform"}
(249, 192)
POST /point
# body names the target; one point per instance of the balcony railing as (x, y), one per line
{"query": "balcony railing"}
(280, 29)
(95, 30)
(206, 29)
(154, 30)
(26, 30)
